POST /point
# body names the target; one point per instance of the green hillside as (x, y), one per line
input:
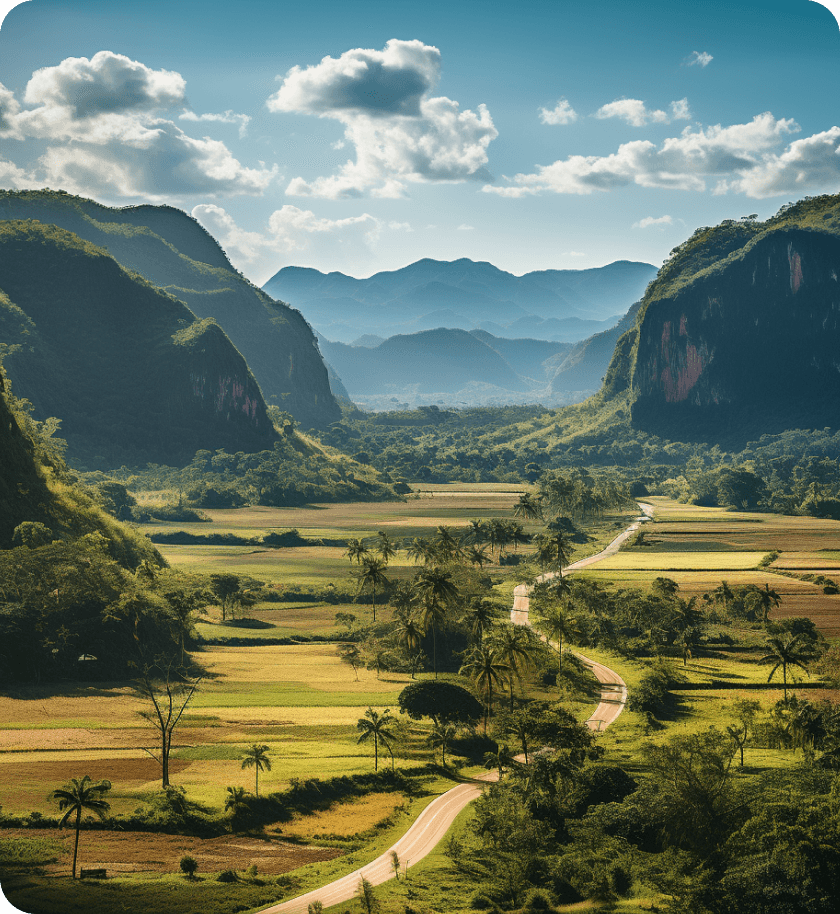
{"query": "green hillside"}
(171, 250)
(127, 368)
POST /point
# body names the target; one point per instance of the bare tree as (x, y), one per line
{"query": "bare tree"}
(169, 690)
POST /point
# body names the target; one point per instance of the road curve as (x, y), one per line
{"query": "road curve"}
(432, 824)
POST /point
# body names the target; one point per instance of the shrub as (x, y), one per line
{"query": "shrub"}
(189, 866)
(227, 876)
(537, 901)
(480, 902)
(620, 881)
(315, 907)
(251, 872)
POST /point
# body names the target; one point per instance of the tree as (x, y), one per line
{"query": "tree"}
(558, 625)
(225, 586)
(769, 599)
(366, 896)
(372, 572)
(170, 692)
(436, 592)
(441, 701)
(409, 631)
(256, 757)
(236, 803)
(528, 507)
(356, 550)
(500, 758)
(446, 544)
(477, 555)
(440, 737)
(395, 864)
(514, 645)
(385, 547)
(784, 652)
(378, 726)
(745, 712)
(188, 866)
(521, 725)
(723, 594)
(184, 607)
(78, 797)
(480, 615)
(688, 641)
(485, 666)
(351, 655)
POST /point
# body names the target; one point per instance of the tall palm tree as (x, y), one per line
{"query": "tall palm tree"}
(446, 544)
(480, 616)
(769, 599)
(784, 652)
(77, 797)
(518, 536)
(356, 550)
(372, 572)
(441, 736)
(723, 594)
(476, 533)
(528, 507)
(513, 643)
(378, 726)
(477, 555)
(485, 666)
(558, 625)
(436, 592)
(501, 758)
(256, 757)
(385, 547)
(409, 631)
(421, 550)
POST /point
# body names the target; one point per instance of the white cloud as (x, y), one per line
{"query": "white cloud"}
(466, 228)
(742, 154)
(648, 221)
(635, 113)
(561, 113)
(16, 178)
(698, 59)
(227, 117)
(338, 144)
(107, 114)
(400, 134)
(573, 254)
(9, 110)
(294, 230)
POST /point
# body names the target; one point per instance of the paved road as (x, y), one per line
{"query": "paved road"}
(432, 824)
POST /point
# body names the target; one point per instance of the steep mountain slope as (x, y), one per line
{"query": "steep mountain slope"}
(584, 367)
(461, 294)
(740, 330)
(131, 373)
(527, 357)
(434, 361)
(171, 250)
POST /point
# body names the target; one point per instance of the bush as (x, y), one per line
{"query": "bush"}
(537, 901)
(189, 866)
(620, 881)
(480, 902)
(227, 876)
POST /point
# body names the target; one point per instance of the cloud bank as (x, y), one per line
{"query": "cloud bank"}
(400, 133)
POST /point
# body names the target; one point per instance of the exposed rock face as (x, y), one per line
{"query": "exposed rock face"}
(171, 250)
(131, 373)
(761, 333)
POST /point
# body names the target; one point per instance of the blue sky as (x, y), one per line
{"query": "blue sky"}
(363, 136)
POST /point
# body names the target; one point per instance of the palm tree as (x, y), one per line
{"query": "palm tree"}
(476, 533)
(769, 599)
(421, 550)
(436, 592)
(513, 643)
(784, 652)
(520, 724)
(446, 545)
(440, 737)
(502, 758)
(236, 803)
(528, 507)
(372, 572)
(477, 555)
(356, 550)
(409, 632)
(518, 536)
(689, 641)
(480, 616)
(385, 547)
(378, 726)
(486, 668)
(723, 594)
(256, 758)
(558, 625)
(77, 797)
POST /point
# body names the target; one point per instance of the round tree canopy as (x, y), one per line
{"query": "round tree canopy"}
(440, 700)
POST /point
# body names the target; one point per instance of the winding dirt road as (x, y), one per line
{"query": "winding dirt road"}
(432, 824)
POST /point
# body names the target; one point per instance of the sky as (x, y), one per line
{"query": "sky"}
(364, 136)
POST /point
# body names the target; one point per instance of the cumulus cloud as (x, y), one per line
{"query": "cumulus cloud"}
(635, 113)
(698, 59)
(292, 230)
(743, 157)
(108, 115)
(227, 117)
(648, 221)
(561, 113)
(16, 178)
(9, 111)
(399, 132)
(466, 228)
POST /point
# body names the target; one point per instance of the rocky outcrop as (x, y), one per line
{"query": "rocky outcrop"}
(763, 331)
(128, 369)
(171, 250)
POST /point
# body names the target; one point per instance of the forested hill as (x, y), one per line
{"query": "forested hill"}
(740, 332)
(127, 368)
(171, 250)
